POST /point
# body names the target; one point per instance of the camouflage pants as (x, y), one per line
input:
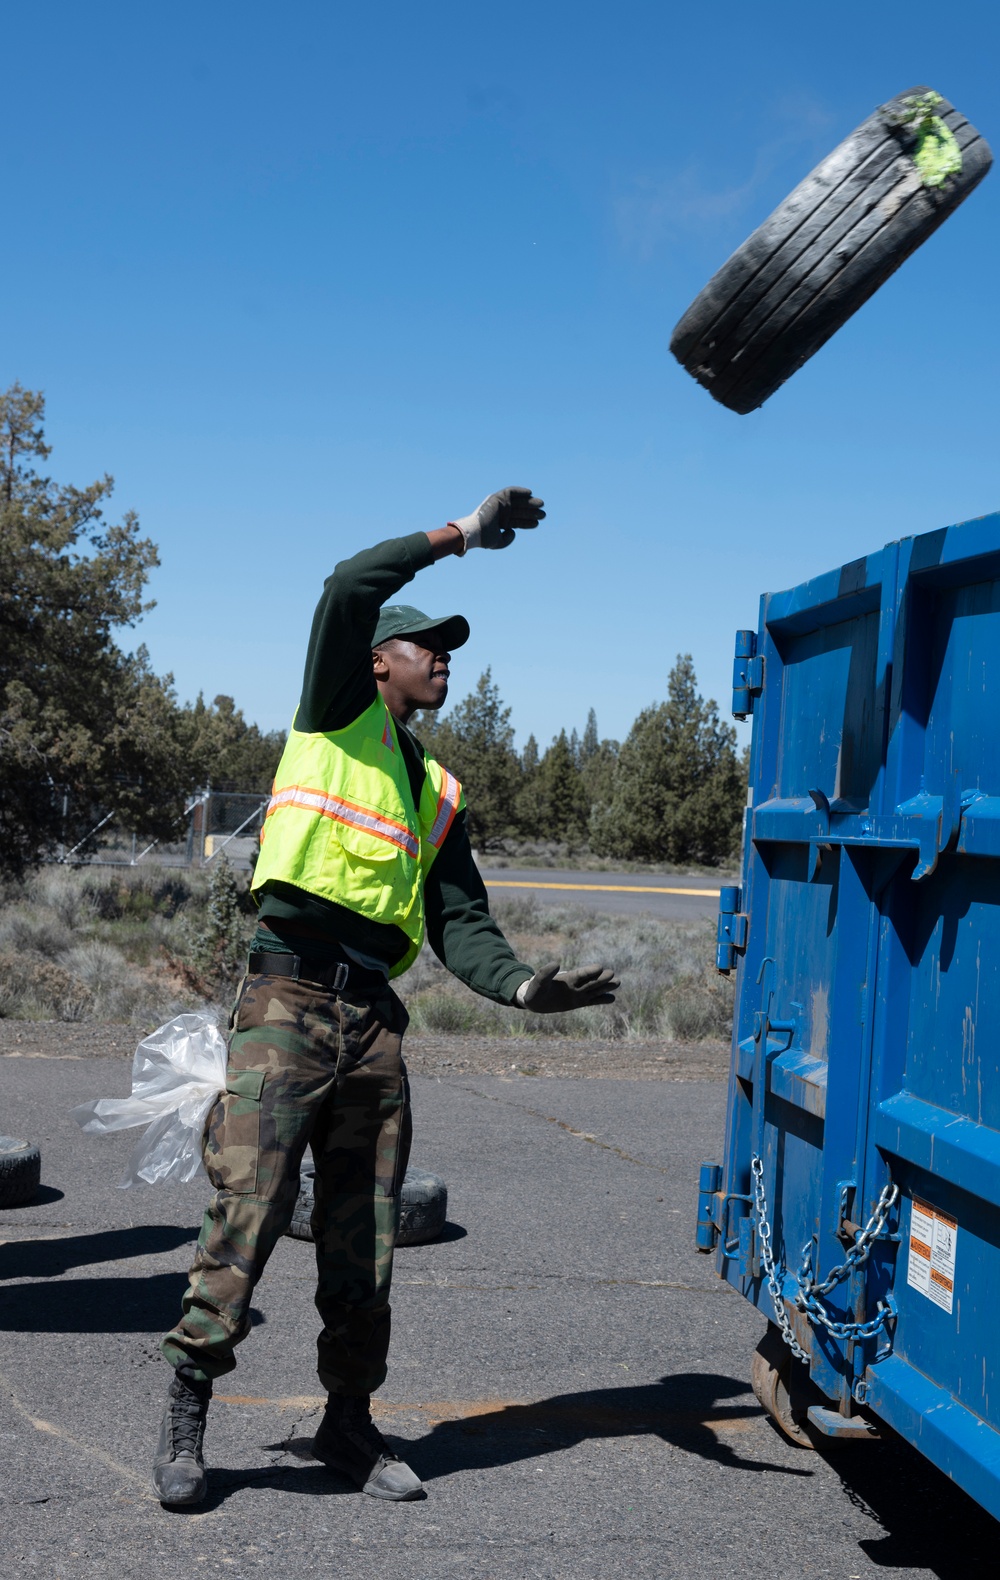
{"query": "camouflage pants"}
(306, 1065)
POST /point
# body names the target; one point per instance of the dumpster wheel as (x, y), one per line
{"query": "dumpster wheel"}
(782, 1387)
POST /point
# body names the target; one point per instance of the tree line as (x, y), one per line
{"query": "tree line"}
(672, 791)
(87, 729)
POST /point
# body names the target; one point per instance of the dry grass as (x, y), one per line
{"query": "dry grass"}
(97, 944)
(669, 989)
(92, 944)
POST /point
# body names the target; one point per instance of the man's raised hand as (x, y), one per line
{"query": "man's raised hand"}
(494, 523)
(551, 991)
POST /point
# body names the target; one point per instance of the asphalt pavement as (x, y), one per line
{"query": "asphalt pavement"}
(666, 895)
(567, 1375)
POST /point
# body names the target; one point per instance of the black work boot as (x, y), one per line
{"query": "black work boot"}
(349, 1441)
(179, 1465)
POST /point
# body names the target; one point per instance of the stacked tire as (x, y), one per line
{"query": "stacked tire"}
(20, 1171)
(826, 249)
(423, 1211)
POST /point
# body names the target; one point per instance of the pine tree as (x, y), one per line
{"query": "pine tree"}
(562, 799)
(224, 750)
(476, 742)
(219, 950)
(591, 741)
(84, 727)
(676, 792)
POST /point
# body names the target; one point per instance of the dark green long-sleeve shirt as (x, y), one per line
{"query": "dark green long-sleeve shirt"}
(338, 685)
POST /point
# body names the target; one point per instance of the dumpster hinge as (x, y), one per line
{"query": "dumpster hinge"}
(731, 934)
(709, 1228)
(714, 1211)
(748, 674)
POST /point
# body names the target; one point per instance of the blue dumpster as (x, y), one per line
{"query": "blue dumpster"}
(858, 1203)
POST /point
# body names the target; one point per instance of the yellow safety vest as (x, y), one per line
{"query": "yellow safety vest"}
(342, 825)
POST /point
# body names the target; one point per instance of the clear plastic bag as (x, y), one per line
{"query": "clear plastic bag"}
(178, 1072)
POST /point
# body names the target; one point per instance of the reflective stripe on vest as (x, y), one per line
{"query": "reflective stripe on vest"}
(342, 825)
(342, 811)
(451, 794)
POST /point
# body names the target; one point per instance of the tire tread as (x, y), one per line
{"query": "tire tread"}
(20, 1172)
(818, 257)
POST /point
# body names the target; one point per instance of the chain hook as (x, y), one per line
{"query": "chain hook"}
(807, 1298)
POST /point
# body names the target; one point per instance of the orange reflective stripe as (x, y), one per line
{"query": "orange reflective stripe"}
(447, 806)
(348, 812)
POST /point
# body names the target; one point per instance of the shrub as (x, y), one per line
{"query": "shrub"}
(219, 950)
(695, 1008)
(33, 988)
(520, 913)
(33, 929)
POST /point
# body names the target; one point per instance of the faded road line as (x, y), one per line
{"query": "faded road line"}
(601, 888)
(51, 1430)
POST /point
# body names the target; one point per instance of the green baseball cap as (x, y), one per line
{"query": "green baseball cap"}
(401, 619)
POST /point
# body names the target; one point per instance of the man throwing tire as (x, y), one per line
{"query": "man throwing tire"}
(364, 851)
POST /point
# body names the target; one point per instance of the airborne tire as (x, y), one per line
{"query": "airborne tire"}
(822, 253)
(20, 1171)
(422, 1216)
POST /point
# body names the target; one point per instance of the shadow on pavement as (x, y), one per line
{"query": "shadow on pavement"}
(93, 1305)
(681, 1409)
(451, 1231)
(924, 1522)
(43, 1195)
(142, 1303)
(311, 1481)
(51, 1258)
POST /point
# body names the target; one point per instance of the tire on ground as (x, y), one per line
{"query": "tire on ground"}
(422, 1216)
(822, 253)
(783, 1389)
(20, 1171)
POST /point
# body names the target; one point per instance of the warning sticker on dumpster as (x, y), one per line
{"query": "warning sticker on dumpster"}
(931, 1263)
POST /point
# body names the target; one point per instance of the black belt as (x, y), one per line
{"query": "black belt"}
(336, 974)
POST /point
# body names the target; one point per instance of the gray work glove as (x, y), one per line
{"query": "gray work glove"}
(550, 991)
(493, 524)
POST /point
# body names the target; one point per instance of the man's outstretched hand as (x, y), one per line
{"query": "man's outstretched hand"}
(551, 991)
(495, 522)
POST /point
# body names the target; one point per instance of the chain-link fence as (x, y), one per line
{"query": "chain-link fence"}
(215, 821)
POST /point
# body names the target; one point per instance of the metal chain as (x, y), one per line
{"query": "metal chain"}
(807, 1298)
(807, 1295)
(859, 1251)
(767, 1262)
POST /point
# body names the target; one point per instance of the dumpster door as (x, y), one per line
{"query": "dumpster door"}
(936, 1073)
(803, 1036)
(866, 1049)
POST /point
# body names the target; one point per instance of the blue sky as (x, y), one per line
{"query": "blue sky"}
(303, 277)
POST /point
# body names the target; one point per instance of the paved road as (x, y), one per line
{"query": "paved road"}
(568, 1376)
(666, 895)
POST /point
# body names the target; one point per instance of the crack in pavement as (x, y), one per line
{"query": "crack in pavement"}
(561, 1124)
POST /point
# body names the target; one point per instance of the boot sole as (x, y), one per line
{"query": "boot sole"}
(196, 1496)
(341, 1468)
(374, 1491)
(181, 1503)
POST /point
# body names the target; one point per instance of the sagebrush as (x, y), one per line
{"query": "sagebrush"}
(139, 944)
